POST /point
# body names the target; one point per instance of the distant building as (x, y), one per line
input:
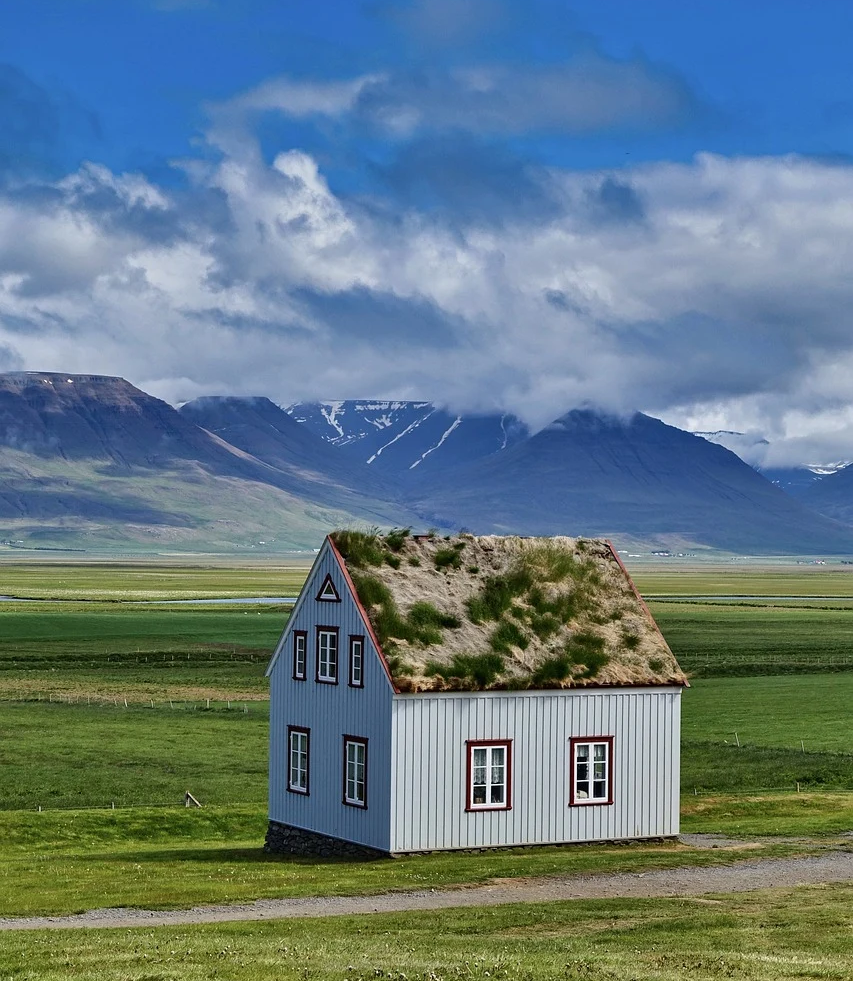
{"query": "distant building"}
(432, 693)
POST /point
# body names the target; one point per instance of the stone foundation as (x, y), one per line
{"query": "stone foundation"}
(285, 839)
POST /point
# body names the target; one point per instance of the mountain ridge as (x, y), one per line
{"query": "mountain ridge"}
(95, 462)
(637, 479)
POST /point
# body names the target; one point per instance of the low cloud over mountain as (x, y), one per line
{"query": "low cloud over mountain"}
(439, 227)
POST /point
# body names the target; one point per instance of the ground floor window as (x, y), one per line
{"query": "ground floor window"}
(298, 762)
(355, 771)
(592, 770)
(489, 773)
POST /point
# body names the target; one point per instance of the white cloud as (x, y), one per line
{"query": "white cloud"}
(586, 93)
(722, 300)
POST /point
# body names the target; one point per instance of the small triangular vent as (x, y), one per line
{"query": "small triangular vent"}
(328, 593)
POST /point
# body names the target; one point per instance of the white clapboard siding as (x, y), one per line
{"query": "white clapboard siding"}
(428, 786)
(330, 712)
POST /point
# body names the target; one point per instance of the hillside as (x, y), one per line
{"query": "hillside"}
(634, 480)
(260, 428)
(91, 461)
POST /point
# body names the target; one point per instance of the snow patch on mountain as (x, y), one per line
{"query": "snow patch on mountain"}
(408, 439)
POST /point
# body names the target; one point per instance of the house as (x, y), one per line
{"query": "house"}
(468, 692)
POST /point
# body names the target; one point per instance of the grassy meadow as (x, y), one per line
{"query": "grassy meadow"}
(64, 862)
(148, 580)
(67, 667)
(67, 741)
(777, 935)
(140, 652)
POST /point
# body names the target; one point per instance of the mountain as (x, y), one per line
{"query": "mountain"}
(832, 495)
(795, 480)
(261, 428)
(634, 480)
(408, 440)
(92, 461)
(89, 461)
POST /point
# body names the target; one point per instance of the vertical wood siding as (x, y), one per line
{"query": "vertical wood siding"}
(428, 785)
(330, 711)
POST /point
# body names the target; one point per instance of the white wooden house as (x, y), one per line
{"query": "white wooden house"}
(434, 693)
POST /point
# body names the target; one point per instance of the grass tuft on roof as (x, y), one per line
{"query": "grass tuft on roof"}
(465, 613)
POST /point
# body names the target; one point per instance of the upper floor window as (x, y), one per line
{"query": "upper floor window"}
(355, 771)
(300, 654)
(327, 655)
(489, 775)
(356, 662)
(297, 745)
(328, 592)
(592, 770)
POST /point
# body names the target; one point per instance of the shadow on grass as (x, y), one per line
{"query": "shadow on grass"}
(214, 856)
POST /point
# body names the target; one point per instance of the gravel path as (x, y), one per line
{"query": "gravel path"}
(832, 866)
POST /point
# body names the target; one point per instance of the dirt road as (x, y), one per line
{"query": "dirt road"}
(830, 866)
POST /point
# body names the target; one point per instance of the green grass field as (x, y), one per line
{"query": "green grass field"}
(149, 580)
(58, 755)
(768, 936)
(72, 755)
(54, 862)
(715, 640)
(144, 755)
(138, 652)
(752, 580)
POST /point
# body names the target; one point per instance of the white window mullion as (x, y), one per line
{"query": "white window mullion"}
(355, 772)
(298, 761)
(489, 774)
(327, 656)
(592, 771)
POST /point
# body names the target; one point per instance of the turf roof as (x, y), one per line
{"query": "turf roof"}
(474, 613)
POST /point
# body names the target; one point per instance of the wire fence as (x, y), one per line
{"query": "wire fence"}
(746, 665)
(687, 793)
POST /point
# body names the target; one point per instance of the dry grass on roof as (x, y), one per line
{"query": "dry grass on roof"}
(468, 613)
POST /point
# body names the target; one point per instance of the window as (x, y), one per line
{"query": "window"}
(328, 593)
(489, 775)
(356, 662)
(300, 654)
(297, 773)
(592, 770)
(327, 655)
(355, 771)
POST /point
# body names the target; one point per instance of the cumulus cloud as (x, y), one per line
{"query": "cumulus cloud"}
(716, 293)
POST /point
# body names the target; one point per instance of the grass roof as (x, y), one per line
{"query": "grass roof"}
(472, 613)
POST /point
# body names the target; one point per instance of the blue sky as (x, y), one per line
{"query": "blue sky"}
(131, 79)
(642, 205)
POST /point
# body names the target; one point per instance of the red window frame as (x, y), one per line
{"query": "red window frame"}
(303, 634)
(307, 733)
(471, 745)
(337, 632)
(361, 741)
(353, 640)
(590, 802)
